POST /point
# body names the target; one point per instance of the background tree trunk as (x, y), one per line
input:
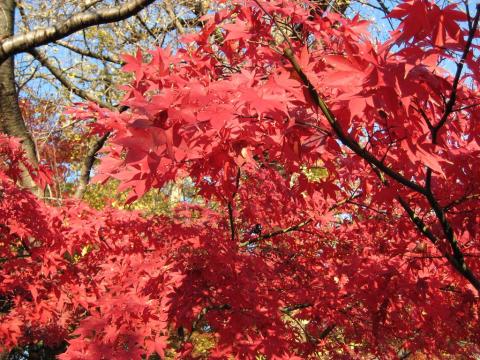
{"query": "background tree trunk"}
(11, 120)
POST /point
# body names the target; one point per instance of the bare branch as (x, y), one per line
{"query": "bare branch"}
(87, 52)
(28, 41)
(173, 17)
(145, 26)
(59, 75)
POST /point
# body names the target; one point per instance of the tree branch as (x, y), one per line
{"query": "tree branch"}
(87, 165)
(453, 95)
(46, 62)
(89, 160)
(28, 41)
(171, 13)
(457, 259)
(277, 232)
(86, 52)
(230, 207)
(145, 26)
(342, 135)
(459, 201)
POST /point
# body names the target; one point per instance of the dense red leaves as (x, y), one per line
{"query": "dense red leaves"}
(281, 258)
(424, 20)
(13, 162)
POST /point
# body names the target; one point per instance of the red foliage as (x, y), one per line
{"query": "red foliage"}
(379, 256)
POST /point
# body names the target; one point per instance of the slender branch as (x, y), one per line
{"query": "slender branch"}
(368, 207)
(417, 221)
(467, 10)
(30, 77)
(288, 309)
(460, 200)
(457, 259)
(386, 11)
(276, 233)
(465, 107)
(424, 116)
(89, 160)
(280, 27)
(342, 135)
(453, 97)
(29, 40)
(327, 331)
(87, 52)
(231, 220)
(89, 4)
(453, 94)
(171, 12)
(145, 26)
(230, 206)
(20, 256)
(296, 307)
(299, 226)
(59, 75)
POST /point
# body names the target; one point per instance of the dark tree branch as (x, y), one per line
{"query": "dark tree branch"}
(458, 259)
(89, 160)
(145, 26)
(87, 165)
(296, 307)
(453, 95)
(460, 201)
(204, 312)
(465, 107)
(424, 116)
(326, 331)
(276, 233)
(342, 135)
(28, 41)
(297, 227)
(386, 11)
(231, 218)
(449, 107)
(91, 54)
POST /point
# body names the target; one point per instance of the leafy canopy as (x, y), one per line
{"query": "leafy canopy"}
(339, 185)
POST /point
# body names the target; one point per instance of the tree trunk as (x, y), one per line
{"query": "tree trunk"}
(11, 120)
